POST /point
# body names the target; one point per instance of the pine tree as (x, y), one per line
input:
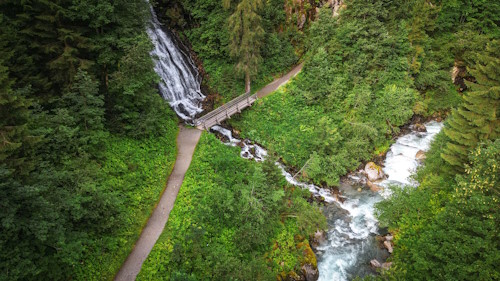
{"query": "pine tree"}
(246, 34)
(476, 119)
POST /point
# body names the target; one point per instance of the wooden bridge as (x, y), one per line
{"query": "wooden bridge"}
(225, 111)
(235, 106)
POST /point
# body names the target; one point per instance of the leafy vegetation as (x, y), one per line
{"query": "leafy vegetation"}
(86, 142)
(233, 213)
(207, 25)
(448, 228)
(352, 95)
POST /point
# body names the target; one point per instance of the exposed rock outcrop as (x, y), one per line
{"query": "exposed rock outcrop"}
(420, 156)
(388, 246)
(310, 272)
(373, 187)
(375, 263)
(373, 172)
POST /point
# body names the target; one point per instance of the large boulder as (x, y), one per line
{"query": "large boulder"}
(373, 187)
(310, 272)
(420, 156)
(388, 246)
(373, 171)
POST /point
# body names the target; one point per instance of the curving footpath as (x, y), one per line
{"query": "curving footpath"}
(186, 143)
(273, 86)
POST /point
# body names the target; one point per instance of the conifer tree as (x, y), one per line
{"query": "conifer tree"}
(246, 34)
(476, 119)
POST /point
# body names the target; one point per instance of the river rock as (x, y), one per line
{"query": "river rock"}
(386, 265)
(389, 237)
(373, 172)
(310, 272)
(318, 239)
(420, 156)
(388, 246)
(420, 128)
(373, 187)
(320, 236)
(375, 263)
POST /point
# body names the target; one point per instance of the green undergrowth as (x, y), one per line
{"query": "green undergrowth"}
(137, 171)
(233, 219)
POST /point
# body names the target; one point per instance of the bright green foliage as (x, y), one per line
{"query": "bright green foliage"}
(476, 120)
(448, 230)
(352, 95)
(229, 214)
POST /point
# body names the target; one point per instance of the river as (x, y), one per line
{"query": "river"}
(352, 225)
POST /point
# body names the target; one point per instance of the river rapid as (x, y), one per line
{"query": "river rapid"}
(352, 224)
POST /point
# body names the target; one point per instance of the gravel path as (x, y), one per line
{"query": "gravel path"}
(273, 86)
(186, 143)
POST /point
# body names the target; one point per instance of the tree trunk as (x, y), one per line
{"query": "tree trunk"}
(247, 82)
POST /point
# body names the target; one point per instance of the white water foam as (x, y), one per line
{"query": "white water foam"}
(351, 238)
(352, 223)
(180, 81)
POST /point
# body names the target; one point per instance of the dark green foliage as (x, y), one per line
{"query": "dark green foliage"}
(229, 213)
(66, 67)
(448, 230)
(476, 120)
(207, 29)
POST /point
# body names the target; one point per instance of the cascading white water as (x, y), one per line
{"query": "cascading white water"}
(352, 223)
(180, 81)
(351, 240)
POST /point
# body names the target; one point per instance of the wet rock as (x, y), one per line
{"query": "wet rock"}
(241, 144)
(420, 156)
(380, 239)
(386, 265)
(373, 187)
(310, 272)
(388, 246)
(375, 263)
(420, 128)
(373, 172)
(318, 238)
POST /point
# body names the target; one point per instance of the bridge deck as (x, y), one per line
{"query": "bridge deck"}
(225, 111)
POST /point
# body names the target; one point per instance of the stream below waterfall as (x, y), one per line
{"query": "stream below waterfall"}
(352, 225)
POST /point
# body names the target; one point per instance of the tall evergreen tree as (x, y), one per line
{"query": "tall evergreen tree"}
(476, 119)
(246, 34)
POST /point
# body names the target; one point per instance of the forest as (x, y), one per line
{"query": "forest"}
(87, 143)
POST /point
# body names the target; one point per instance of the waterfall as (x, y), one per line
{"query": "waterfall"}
(180, 80)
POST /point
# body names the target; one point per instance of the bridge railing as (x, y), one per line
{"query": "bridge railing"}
(225, 107)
